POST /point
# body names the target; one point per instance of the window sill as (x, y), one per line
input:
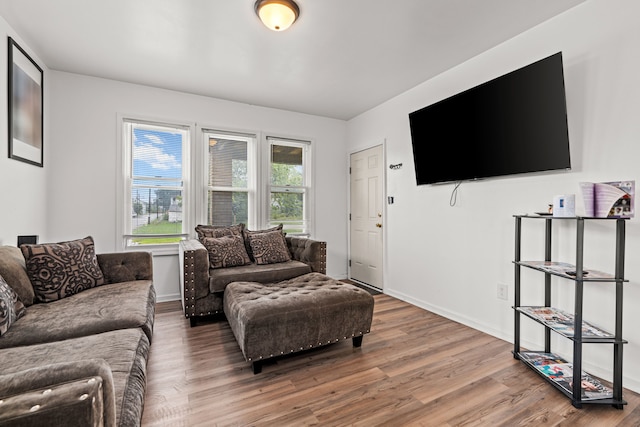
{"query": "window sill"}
(156, 250)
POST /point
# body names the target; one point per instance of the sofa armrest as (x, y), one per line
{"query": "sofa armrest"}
(120, 267)
(194, 274)
(311, 252)
(70, 394)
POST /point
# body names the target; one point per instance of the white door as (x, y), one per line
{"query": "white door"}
(366, 216)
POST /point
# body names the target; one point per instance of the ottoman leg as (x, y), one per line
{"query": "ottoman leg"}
(357, 341)
(257, 367)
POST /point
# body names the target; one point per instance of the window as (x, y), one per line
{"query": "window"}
(289, 185)
(165, 191)
(231, 178)
(155, 167)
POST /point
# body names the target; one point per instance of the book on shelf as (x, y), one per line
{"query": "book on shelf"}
(563, 322)
(560, 372)
(564, 268)
(613, 199)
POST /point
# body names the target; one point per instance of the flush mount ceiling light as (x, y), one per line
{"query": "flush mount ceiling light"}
(277, 15)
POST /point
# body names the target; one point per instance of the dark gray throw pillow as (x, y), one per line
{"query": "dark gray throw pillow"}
(226, 251)
(59, 270)
(249, 233)
(218, 231)
(269, 248)
(11, 308)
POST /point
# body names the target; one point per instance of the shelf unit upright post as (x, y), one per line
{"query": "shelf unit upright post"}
(550, 268)
(516, 285)
(618, 346)
(547, 280)
(577, 312)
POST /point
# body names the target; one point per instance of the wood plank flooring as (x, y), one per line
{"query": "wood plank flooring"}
(415, 368)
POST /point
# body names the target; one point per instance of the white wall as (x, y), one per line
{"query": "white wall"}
(82, 167)
(22, 185)
(450, 259)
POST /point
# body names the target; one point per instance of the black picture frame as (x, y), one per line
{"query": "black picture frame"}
(26, 107)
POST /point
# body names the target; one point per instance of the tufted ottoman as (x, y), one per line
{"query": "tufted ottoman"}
(308, 311)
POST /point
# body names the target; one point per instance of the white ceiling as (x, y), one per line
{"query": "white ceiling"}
(340, 59)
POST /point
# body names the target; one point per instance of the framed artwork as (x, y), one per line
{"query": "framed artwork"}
(25, 107)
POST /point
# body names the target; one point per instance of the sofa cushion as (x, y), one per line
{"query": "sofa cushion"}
(11, 308)
(248, 233)
(97, 310)
(58, 270)
(269, 248)
(126, 266)
(125, 351)
(14, 271)
(218, 231)
(268, 273)
(226, 251)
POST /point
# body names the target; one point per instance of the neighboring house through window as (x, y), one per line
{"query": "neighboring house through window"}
(231, 196)
(236, 195)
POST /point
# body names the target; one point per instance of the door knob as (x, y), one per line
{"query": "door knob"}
(378, 225)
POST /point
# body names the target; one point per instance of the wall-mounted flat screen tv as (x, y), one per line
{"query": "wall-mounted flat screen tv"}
(513, 124)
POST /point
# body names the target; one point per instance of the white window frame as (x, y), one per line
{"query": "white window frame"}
(253, 196)
(124, 182)
(307, 189)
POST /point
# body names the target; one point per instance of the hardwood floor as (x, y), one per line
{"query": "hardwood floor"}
(415, 368)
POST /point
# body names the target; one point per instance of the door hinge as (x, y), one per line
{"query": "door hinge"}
(349, 217)
(349, 170)
(349, 263)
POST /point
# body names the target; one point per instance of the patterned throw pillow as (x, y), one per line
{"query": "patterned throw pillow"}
(269, 248)
(226, 251)
(11, 308)
(59, 270)
(248, 233)
(218, 231)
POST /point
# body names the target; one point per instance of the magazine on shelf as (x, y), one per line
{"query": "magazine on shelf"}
(563, 322)
(566, 268)
(592, 389)
(608, 199)
(561, 373)
(539, 359)
(552, 267)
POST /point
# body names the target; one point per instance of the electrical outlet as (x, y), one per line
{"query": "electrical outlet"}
(503, 292)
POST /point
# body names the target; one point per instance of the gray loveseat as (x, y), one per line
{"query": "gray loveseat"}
(79, 360)
(203, 286)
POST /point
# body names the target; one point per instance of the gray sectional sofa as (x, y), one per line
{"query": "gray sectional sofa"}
(203, 283)
(81, 359)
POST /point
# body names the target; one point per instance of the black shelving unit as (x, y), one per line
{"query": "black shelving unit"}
(579, 275)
